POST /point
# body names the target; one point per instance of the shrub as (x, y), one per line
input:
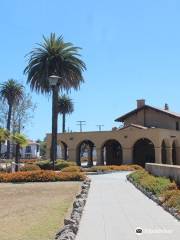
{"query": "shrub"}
(60, 164)
(72, 169)
(113, 168)
(174, 199)
(30, 167)
(156, 185)
(41, 176)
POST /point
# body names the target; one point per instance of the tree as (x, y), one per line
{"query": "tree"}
(21, 141)
(54, 57)
(11, 92)
(22, 113)
(65, 106)
(4, 135)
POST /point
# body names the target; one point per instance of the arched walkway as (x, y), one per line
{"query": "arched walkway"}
(163, 153)
(85, 152)
(112, 153)
(143, 152)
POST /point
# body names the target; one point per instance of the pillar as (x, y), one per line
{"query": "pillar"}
(169, 155)
(127, 157)
(72, 155)
(90, 156)
(158, 158)
(99, 156)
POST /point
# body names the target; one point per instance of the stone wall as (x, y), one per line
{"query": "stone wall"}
(164, 170)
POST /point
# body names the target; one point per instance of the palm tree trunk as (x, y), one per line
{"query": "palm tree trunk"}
(63, 122)
(17, 157)
(0, 148)
(8, 128)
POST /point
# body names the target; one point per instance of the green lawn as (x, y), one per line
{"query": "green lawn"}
(34, 211)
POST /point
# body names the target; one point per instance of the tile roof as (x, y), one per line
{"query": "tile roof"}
(167, 112)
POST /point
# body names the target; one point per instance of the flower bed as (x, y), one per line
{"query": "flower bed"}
(160, 189)
(41, 176)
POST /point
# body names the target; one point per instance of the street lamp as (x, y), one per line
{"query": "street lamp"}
(53, 81)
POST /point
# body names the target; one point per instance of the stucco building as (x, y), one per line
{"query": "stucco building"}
(148, 134)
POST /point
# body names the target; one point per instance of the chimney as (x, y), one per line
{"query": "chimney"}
(166, 107)
(140, 103)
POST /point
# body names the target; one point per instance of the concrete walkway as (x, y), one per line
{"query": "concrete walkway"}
(115, 208)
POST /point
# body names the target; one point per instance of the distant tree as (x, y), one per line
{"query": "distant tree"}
(65, 106)
(23, 113)
(4, 135)
(21, 141)
(11, 92)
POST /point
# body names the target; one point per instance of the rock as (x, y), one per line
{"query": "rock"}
(69, 221)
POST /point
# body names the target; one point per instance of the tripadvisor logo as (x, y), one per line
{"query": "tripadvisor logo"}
(139, 230)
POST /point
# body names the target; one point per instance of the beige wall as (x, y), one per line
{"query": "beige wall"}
(151, 118)
(162, 170)
(126, 137)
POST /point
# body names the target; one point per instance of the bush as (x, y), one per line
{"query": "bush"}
(113, 168)
(41, 176)
(60, 164)
(72, 169)
(30, 167)
(156, 185)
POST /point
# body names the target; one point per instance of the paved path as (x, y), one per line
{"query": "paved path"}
(115, 208)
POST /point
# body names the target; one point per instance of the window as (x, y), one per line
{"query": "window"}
(177, 126)
(28, 149)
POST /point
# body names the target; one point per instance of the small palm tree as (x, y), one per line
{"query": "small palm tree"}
(4, 135)
(65, 106)
(11, 91)
(21, 141)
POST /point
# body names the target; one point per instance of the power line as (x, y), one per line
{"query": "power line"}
(100, 126)
(80, 124)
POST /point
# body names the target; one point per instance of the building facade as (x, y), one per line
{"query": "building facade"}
(148, 134)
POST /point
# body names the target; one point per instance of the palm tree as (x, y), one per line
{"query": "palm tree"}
(11, 91)
(54, 57)
(65, 106)
(21, 141)
(4, 135)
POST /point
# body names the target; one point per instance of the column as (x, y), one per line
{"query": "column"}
(72, 154)
(99, 156)
(127, 156)
(169, 155)
(158, 158)
(90, 156)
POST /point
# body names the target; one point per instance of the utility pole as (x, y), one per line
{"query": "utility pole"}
(100, 126)
(80, 124)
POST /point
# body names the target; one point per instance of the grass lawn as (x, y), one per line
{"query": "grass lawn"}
(34, 211)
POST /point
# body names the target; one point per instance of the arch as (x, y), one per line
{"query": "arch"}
(112, 152)
(62, 150)
(86, 153)
(174, 153)
(163, 152)
(143, 152)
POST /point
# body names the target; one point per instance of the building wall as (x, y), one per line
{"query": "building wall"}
(151, 118)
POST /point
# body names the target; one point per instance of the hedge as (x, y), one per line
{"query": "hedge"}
(113, 168)
(167, 191)
(60, 164)
(41, 176)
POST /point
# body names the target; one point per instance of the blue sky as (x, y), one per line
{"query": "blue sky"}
(131, 49)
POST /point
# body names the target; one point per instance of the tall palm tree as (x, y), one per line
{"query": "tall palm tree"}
(21, 141)
(54, 57)
(11, 91)
(65, 106)
(4, 135)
